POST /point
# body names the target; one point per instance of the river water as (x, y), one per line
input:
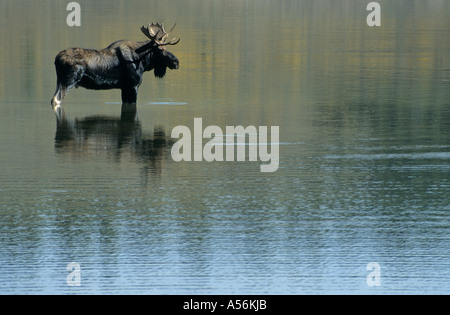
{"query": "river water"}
(364, 152)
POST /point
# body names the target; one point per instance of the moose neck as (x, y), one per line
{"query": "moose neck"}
(145, 48)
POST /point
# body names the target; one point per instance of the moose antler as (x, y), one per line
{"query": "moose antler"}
(158, 35)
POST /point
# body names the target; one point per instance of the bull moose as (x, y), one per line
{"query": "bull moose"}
(121, 65)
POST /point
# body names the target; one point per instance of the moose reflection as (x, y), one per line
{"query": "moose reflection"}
(121, 65)
(114, 136)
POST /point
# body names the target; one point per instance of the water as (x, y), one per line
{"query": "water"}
(364, 118)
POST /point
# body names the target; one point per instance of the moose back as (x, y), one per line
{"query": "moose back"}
(121, 65)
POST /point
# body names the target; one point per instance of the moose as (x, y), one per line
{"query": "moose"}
(121, 65)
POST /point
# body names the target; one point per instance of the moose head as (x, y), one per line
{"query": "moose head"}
(159, 58)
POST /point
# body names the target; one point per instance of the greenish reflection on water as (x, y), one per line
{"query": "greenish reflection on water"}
(364, 117)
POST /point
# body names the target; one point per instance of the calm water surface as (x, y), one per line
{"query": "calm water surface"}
(364, 176)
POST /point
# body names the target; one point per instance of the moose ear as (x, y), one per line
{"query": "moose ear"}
(146, 31)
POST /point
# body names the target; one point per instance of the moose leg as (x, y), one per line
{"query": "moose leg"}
(59, 95)
(68, 77)
(129, 95)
